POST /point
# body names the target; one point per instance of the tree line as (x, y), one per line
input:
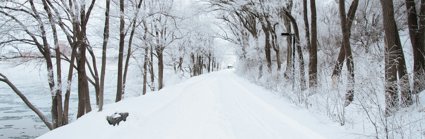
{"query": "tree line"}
(256, 25)
(150, 32)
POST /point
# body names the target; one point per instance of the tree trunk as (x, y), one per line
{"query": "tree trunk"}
(199, 65)
(83, 88)
(342, 53)
(192, 57)
(349, 96)
(180, 65)
(287, 24)
(209, 62)
(146, 59)
(82, 41)
(306, 23)
(145, 68)
(45, 50)
(274, 44)
(57, 111)
(69, 81)
(302, 67)
(104, 48)
(120, 54)
(392, 54)
(417, 34)
(160, 68)
(267, 46)
(289, 50)
(313, 48)
(152, 71)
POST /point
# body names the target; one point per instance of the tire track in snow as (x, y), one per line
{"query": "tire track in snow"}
(264, 114)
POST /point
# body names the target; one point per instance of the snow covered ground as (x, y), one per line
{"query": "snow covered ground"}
(216, 105)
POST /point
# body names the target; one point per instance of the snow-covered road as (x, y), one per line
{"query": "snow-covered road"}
(220, 105)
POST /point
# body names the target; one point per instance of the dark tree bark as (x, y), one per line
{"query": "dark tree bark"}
(342, 53)
(267, 45)
(276, 49)
(416, 24)
(193, 71)
(57, 108)
(274, 44)
(180, 65)
(394, 59)
(83, 87)
(287, 24)
(306, 23)
(349, 96)
(146, 59)
(209, 62)
(145, 68)
(160, 54)
(152, 72)
(49, 63)
(120, 54)
(104, 49)
(313, 50)
(48, 6)
(79, 30)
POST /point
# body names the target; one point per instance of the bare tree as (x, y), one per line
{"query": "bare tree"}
(77, 41)
(342, 53)
(130, 41)
(311, 41)
(394, 61)
(120, 53)
(416, 24)
(346, 23)
(44, 49)
(287, 24)
(104, 48)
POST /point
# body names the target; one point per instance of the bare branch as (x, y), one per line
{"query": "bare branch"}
(45, 120)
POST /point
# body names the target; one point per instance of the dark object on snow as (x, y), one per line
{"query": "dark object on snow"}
(116, 118)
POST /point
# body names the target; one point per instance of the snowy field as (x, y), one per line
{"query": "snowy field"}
(216, 105)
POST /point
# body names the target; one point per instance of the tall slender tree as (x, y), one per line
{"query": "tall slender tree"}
(342, 53)
(130, 41)
(416, 25)
(394, 61)
(104, 48)
(287, 24)
(120, 53)
(346, 32)
(311, 41)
